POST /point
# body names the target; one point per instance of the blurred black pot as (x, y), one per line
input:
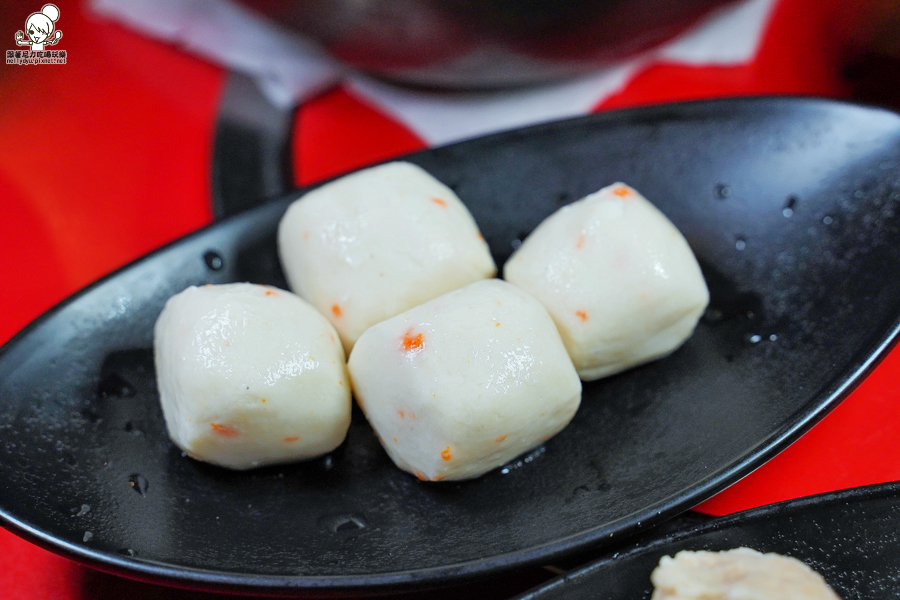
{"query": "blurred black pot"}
(484, 43)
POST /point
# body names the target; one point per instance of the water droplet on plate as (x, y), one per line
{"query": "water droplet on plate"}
(127, 552)
(85, 509)
(342, 523)
(787, 213)
(755, 339)
(88, 536)
(722, 191)
(213, 260)
(773, 337)
(828, 220)
(740, 244)
(523, 460)
(515, 244)
(351, 524)
(138, 483)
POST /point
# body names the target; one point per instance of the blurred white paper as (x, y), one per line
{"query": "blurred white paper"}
(728, 36)
(444, 118)
(289, 69)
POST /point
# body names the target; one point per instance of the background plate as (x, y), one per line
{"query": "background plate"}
(789, 205)
(851, 537)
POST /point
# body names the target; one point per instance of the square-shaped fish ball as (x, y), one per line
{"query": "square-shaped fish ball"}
(741, 573)
(465, 382)
(250, 375)
(372, 244)
(618, 278)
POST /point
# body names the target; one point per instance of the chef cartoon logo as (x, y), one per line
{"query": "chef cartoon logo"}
(40, 32)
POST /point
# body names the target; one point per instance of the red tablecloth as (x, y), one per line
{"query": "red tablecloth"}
(108, 157)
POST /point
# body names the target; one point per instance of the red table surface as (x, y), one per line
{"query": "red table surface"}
(108, 157)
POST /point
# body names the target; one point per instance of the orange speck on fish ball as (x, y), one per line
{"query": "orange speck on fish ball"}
(581, 315)
(445, 453)
(336, 310)
(500, 439)
(411, 342)
(622, 192)
(439, 202)
(292, 438)
(224, 430)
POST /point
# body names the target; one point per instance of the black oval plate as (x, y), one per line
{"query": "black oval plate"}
(789, 205)
(851, 537)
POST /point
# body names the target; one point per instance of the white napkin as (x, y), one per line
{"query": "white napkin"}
(289, 69)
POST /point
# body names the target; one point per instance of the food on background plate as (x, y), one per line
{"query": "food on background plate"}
(465, 382)
(370, 245)
(739, 574)
(250, 375)
(618, 278)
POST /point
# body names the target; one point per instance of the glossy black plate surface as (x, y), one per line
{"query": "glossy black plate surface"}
(790, 207)
(851, 537)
